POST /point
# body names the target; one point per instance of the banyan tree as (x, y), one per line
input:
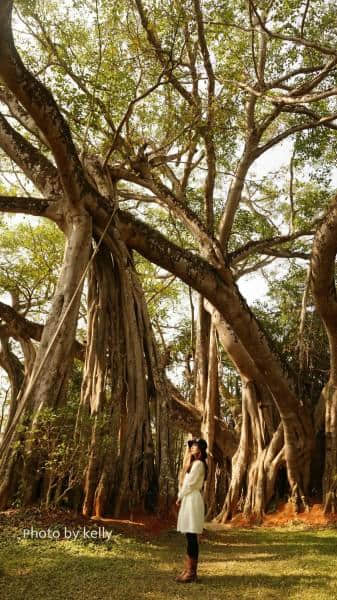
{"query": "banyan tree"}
(140, 129)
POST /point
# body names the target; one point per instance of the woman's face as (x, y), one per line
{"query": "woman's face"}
(195, 450)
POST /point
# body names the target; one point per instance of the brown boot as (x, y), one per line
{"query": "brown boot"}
(190, 574)
(194, 568)
(185, 569)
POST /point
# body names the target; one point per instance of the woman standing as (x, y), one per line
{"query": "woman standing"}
(191, 505)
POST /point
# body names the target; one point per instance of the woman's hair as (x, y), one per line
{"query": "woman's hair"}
(186, 465)
(188, 461)
(203, 458)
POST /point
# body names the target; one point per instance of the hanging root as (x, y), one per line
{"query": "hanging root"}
(121, 377)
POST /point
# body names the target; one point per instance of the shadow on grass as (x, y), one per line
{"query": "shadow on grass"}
(257, 540)
(283, 544)
(280, 585)
(281, 551)
(59, 574)
(271, 581)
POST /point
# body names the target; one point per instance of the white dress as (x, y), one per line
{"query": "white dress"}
(192, 509)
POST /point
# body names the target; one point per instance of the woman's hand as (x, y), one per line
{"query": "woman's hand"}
(178, 502)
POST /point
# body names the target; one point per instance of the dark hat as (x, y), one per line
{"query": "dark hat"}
(199, 442)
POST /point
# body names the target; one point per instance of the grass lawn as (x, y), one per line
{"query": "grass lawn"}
(256, 563)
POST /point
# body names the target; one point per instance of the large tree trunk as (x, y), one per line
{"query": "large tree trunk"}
(45, 387)
(121, 380)
(103, 383)
(201, 354)
(261, 447)
(329, 484)
(257, 462)
(47, 382)
(139, 477)
(143, 472)
(324, 292)
(211, 413)
(207, 399)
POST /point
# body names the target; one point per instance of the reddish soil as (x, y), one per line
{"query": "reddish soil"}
(286, 515)
(145, 524)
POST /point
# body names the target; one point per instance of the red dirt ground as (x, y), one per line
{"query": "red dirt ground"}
(145, 524)
(286, 515)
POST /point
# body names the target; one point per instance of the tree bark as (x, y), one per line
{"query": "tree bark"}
(324, 292)
(211, 413)
(261, 447)
(13, 367)
(45, 386)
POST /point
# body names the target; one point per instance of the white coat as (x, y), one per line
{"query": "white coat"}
(192, 509)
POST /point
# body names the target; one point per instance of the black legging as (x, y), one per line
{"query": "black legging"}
(192, 545)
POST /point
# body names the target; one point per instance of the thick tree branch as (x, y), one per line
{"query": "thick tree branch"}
(266, 245)
(38, 207)
(20, 114)
(303, 99)
(324, 252)
(32, 162)
(207, 131)
(18, 327)
(304, 110)
(235, 191)
(177, 204)
(307, 86)
(40, 104)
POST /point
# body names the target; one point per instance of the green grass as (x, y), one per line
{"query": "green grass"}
(250, 564)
